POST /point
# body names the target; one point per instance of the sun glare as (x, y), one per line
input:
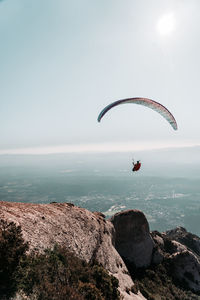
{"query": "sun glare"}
(166, 24)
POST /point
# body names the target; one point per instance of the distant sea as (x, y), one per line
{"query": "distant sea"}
(106, 184)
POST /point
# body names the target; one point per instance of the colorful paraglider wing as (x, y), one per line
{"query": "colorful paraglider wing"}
(146, 102)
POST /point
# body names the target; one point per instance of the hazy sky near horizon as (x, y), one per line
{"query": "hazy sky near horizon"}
(62, 61)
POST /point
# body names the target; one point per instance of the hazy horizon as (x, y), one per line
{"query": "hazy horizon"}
(99, 148)
(182, 162)
(166, 188)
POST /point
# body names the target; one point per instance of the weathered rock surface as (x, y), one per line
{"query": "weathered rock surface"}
(86, 234)
(132, 237)
(181, 250)
(186, 238)
(186, 267)
(185, 259)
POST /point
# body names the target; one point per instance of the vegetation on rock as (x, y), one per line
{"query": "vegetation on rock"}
(156, 283)
(58, 274)
(12, 250)
(55, 274)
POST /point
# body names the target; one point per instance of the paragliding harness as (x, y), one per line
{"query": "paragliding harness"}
(136, 166)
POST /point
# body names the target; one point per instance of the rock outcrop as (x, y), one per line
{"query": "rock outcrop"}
(186, 268)
(132, 237)
(181, 251)
(184, 237)
(86, 234)
(125, 238)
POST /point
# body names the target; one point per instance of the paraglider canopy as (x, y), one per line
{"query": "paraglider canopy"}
(162, 110)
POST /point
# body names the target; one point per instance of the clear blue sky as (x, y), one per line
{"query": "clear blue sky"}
(62, 61)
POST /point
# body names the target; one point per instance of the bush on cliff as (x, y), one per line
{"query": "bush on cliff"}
(55, 274)
(12, 249)
(58, 274)
(156, 282)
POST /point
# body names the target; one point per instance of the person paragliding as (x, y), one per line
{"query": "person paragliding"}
(156, 106)
(136, 166)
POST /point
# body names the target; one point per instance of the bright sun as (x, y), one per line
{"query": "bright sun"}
(166, 24)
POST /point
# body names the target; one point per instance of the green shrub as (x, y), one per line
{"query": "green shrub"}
(59, 274)
(12, 249)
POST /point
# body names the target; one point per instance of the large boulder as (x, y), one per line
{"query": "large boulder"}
(132, 237)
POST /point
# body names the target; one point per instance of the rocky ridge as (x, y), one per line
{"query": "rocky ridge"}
(124, 240)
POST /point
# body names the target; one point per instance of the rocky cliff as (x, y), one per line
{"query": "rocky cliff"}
(123, 244)
(86, 234)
